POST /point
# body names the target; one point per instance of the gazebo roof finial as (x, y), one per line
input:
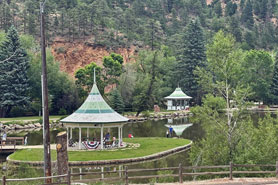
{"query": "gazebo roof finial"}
(94, 75)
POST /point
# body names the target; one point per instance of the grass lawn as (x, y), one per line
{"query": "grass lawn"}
(148, 146)
(28, 118)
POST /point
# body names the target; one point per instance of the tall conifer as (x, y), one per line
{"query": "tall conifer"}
(247, 15)
(14, 63)
(192, 56)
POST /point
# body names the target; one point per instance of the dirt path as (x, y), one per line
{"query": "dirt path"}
(226, 181)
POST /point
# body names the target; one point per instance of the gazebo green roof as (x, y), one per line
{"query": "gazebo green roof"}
(178, 94)
(94, 110)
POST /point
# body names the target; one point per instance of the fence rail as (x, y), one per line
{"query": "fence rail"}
(127, 173)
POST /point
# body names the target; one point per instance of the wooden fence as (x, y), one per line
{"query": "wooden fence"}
(229, 170)
(11, 142)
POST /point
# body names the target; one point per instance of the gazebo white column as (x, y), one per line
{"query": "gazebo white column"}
(70, 133)
(119, 136)
(67, 136)
(79, 147)
(101, 136)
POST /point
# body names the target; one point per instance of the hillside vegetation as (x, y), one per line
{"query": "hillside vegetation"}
(163, 44)
(122, 23)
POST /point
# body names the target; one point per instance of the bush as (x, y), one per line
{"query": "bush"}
(62, 111)
(60, 50)
(146, 114)
(17, 112)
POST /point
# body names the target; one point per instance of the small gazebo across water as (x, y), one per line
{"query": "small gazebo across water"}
(178, 100)
(95, 113)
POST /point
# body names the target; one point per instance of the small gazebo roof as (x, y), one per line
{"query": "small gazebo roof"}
(94, 110)
(178, 94)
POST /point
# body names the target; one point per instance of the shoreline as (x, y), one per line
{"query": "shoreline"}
(107, 162)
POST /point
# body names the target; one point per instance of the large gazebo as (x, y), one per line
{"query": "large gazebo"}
(178, 100)
(94, 113)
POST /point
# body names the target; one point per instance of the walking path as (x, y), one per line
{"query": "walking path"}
(226, 181)
(9, 147)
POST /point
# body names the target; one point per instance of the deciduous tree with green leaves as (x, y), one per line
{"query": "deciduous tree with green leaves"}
(221, 78)
(85, 79)
(257, 68)
(154, 78)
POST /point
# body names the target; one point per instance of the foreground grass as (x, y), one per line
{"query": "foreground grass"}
(148, 146)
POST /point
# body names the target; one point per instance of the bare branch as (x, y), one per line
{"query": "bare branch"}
(9, 57)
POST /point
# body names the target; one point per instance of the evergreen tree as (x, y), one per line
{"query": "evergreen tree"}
(13, 73)
(192, 56)
(117, 102)
(274, 84)
(230, 8)
(155, 34)
(218, 9)
(241, 4)
(234, 27)
(247, 15)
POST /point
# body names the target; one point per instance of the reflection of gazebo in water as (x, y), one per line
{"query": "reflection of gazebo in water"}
(178, 129)
(95, 113)
(178, 100)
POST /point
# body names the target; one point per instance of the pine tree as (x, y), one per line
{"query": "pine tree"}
(241, 4)
(230, 8)
(117, 102)
(234, 27)
(218, 9)
(192, 56)
(247, 15)
(13, 73)
(274, 84)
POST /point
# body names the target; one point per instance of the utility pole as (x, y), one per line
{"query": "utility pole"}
(46, 135)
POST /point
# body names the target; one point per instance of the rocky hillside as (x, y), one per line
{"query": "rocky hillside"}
(73, 56)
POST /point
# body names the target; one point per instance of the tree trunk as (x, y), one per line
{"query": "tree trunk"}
(62, 153)
(4, 111)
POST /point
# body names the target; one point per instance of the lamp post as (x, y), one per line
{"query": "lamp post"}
(46, 135)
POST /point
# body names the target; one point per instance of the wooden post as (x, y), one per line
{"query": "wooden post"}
(4, 180)
(231, 170)
(126, 176)
(180, 173)
(14, 144)
(46, 132)
(62, 153)
(68, 177)
(276, 169)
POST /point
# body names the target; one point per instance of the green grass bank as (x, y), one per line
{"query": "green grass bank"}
(28, 118)
(147, 147)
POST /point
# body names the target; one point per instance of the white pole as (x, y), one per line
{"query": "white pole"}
(70, 133)
(67, 137)
(119, 136)
(88, 133)
(79, 138)
(101, 137)
(102, 174)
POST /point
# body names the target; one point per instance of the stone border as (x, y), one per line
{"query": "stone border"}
(108, 162)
